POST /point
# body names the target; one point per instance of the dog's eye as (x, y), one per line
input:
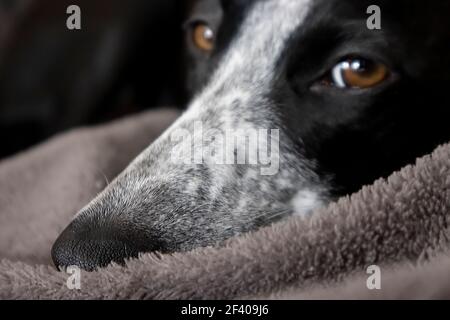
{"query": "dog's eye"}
(203, 37)
(357, 73)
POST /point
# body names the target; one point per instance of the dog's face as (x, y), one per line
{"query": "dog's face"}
(342, 106)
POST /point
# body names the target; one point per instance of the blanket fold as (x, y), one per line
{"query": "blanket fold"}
(400, 224)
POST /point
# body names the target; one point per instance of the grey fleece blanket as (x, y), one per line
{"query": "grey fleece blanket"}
(400, 224)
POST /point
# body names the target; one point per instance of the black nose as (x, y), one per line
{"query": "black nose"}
(89, 246)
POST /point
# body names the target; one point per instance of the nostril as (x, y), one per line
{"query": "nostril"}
(90, 248)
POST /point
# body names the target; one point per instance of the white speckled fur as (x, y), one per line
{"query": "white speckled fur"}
(202, 204)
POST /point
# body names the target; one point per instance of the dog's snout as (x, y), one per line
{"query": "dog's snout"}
(89, 247)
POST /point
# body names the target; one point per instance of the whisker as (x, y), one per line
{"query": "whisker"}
(106, 178)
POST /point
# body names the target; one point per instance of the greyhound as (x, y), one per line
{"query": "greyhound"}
(340, 105)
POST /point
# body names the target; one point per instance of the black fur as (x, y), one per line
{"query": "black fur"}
(355, 136)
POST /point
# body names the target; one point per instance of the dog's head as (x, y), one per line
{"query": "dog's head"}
(296, 102)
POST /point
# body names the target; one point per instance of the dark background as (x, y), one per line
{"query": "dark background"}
(125, 59)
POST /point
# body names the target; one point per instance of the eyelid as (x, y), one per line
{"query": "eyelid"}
(338, 54)
(192, 21)
(321, 85)
(328, 66)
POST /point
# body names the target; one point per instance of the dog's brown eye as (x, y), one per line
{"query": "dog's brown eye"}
(203, 37)
(358, 73)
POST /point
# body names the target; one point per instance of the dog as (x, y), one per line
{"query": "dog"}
(350, 104)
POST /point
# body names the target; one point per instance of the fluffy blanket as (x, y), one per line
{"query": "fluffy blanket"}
(400, 224)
